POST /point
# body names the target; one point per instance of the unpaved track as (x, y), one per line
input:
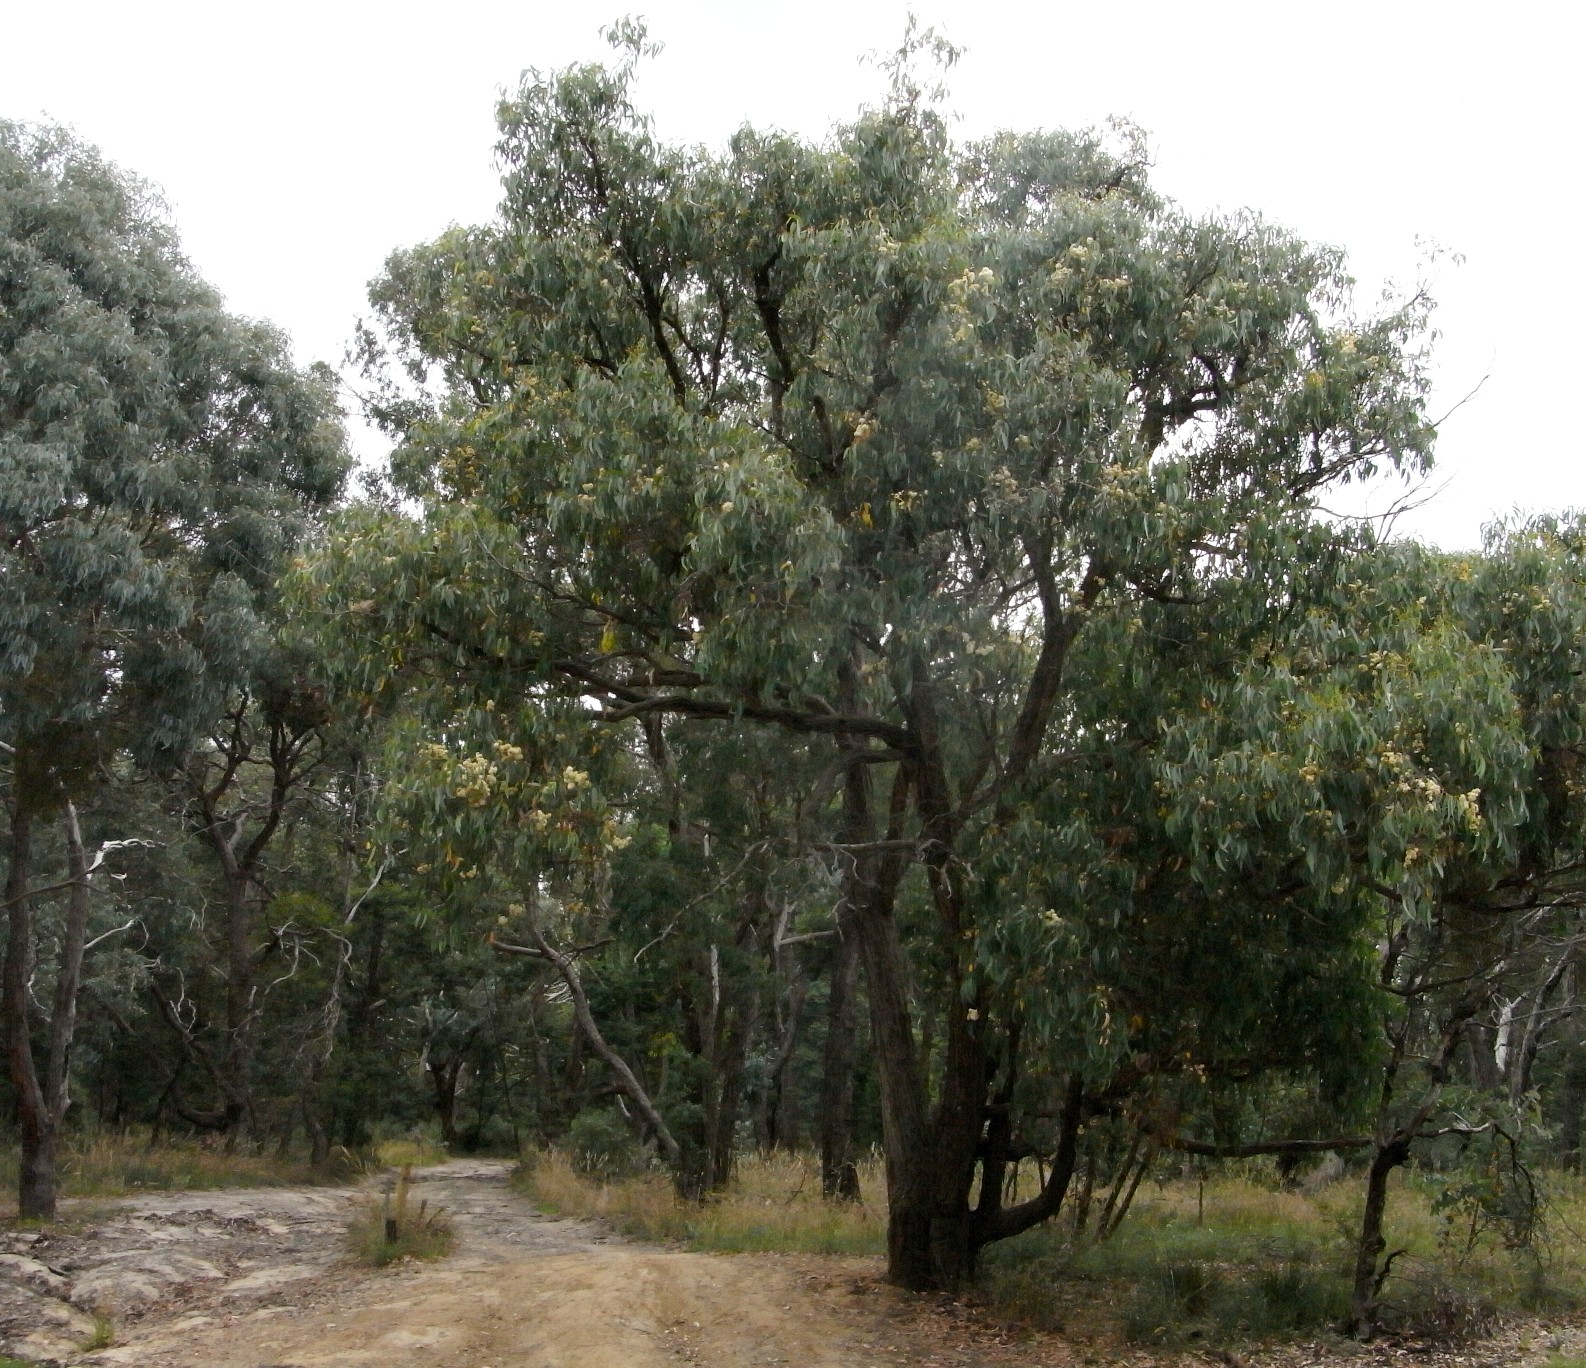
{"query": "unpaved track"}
(258, 1279)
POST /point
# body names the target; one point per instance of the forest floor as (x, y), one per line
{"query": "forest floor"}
(261, 1278)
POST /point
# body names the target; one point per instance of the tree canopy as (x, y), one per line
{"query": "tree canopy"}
(962, 464)
(158, 459)
(880, 576)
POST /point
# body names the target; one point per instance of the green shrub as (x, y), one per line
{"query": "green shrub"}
(600, 1144)
(1301, 1296)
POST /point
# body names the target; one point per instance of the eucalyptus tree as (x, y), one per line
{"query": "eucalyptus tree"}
(855, 442)
(270, 751)
(158, 459)
(1406, 760)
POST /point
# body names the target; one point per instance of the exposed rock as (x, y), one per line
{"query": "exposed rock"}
(39, 1327)
(132, 1281)
(31, 1273)
(267, 1280)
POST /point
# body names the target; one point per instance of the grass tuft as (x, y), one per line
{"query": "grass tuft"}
(390, 1227)
(103, 1336)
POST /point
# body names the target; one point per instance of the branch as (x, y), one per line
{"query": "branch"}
(793, 720)
(1015, 1220)
(106, 935)
(568, 971)
(1212, 1151)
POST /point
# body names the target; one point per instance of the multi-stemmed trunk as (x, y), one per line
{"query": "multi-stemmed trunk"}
(42, 1096)
(932, 1153)
(292, 753)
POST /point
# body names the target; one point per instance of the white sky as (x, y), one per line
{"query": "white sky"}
(299, 143)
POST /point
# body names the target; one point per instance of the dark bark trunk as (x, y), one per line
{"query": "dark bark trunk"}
(839, 1169)
(1481, 1040)
(729, 1096)
(236, 1061)
(1369, 1270)
(444, 1078)
(777, 1121)
(42, 1103)
(1002, 1224)
(318, 1139)
(359, 1021)
(289, 746)
(1082, 1203)
(785, 1115)
(1573, 1101)
(904, 1112)
(36, 1177)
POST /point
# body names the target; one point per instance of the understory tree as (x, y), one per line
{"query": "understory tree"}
(1407, 759)
(158, 460)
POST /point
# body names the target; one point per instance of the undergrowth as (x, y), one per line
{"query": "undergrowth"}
(390, 1227)
(119, 1163)
(1242, 1259)
(114, 1164)
(1238, 1259)
(773, 1203)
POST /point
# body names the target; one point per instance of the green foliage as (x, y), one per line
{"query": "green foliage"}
(159, 459)
(600, 1144)
(984, 464)
(104, 1334)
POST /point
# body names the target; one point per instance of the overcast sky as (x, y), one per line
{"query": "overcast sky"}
(299, 143)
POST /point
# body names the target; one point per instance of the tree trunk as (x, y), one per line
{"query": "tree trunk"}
(42, 1103)
(584, 1019)
(728, 1085)
(1572, 1097)
(359, 1021)
(1482, 1042)
(236, 1062)
(1369, 1272)
(839, 1171)
(36, 1178)
(905, 1118)
(777, 1122)
(444, 1078)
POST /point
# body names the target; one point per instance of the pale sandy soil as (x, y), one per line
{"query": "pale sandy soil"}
(259, 1279)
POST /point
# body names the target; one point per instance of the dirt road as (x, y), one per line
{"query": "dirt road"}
(259, 1279)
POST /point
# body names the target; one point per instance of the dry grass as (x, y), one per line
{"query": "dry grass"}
(1241, 1258)
(115, 1164)
(414, 1151)
(774, 1203)
(1236, 1260)
(390, 1227)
